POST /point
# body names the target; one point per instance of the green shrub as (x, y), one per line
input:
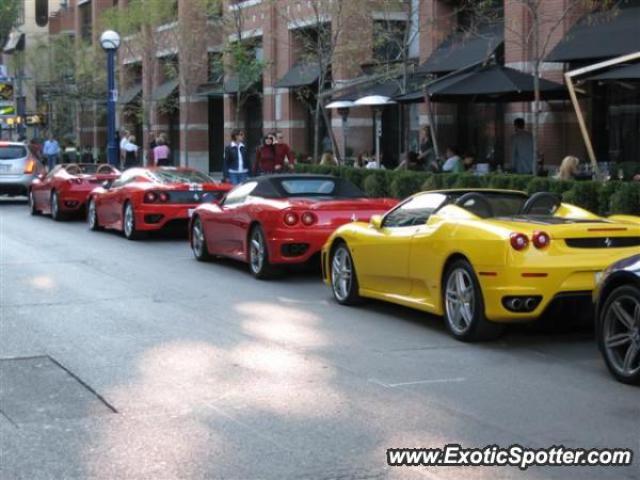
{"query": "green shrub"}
(584, 195)
(469, 181)
(449, 180)
(604, 196)
(626, 200)
(431, 183)
(560, 186)
(628, 168)
(539, 184)
(499, 181)
(404, 184)
(355, 175)
(376, 185)
(520, 182)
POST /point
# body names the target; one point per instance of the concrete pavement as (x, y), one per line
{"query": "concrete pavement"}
(132, 360)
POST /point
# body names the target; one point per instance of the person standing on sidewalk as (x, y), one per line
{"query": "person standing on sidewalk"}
(124, 138)
(51, 151)
(521, 149)
(236, 164)
(284, 160)
(131, 153)
(265, 157)
(153, 143)
(161, 153)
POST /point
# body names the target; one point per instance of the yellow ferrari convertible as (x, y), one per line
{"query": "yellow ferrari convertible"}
(480, 258)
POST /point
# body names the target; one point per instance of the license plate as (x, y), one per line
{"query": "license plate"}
(190, 212)
(5, 168)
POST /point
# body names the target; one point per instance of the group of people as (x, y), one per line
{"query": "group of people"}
(53, 153)
(158, 154)
(273, 156)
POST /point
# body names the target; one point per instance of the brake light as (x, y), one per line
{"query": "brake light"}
(163, 197)
(290, 218)
(540, 239)
(519, 241)
(308, 218)
(150, 197)
(30, 167)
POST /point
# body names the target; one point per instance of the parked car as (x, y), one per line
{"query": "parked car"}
(146, 199)
(18, 168)
(617, 300)
(65, 189)
(480, 258)
(278, 220)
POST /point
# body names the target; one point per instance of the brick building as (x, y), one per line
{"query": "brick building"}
(177, 79)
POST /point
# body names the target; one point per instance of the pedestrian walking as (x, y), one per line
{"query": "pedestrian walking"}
(285, 159)
(161, 153)
(51, 151)
(521, 149)
(236, 163)
(124, 138)
(131, 153)
(153, 143)
(266, 157)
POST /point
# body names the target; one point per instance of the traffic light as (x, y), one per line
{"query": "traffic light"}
(42, 13)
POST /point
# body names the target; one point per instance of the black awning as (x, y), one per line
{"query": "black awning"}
(165, 90)
(213, 89)
(386, 87)
(491, 84)
(628, 72)
(232, 85)
(461, 50)
(600, 35)
(15, 43)
(130, 94)
(300, 75)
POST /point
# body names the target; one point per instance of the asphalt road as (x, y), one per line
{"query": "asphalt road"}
(130, 360)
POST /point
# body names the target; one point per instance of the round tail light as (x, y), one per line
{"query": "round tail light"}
(541, 239)
(290, 218)
(150, 197)
(519, 241)
(163, 197)
(308, 218)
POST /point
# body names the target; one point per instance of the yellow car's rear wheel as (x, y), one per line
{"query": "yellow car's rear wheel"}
(464, 305)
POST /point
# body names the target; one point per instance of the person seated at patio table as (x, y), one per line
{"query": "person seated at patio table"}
(453, 163)
(361, 160)
(411, 162)
(469, 162)
(568, 168)
(328, 160)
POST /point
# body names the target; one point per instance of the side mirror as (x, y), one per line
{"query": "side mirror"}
(106, 184)
(376, 221)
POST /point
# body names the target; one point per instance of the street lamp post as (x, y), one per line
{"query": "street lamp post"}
(110, 41)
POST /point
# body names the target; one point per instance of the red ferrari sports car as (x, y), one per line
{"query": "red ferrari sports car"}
(145, 199)
(64, 190)
(279, 219)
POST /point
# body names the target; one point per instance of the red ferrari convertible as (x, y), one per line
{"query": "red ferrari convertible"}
(145, 199)
(64, 190)
(279, 219)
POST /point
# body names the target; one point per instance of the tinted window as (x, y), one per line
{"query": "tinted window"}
(415, 211)
(502, 204)
(328, 187)
(12, 152)
(179, 176)
(240, 193)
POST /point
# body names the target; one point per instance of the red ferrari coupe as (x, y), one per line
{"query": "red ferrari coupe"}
(279, 219)
(64, 190)
(145, 199)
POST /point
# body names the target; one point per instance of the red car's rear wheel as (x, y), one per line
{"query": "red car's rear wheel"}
(129, 223)
(258, 254)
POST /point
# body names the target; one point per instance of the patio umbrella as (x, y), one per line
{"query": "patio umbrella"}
(628, 72)
(491, 84)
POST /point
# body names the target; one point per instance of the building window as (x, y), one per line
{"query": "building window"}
(389, 43)
(86, 27)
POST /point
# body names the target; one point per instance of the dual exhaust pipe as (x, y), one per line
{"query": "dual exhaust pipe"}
(521, 304)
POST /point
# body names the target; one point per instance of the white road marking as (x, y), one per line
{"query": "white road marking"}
(418, 382)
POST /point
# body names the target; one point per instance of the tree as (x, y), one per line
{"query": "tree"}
(321, 28)
(9, 11)
(240, 61)
(138, 25)
(534, 32)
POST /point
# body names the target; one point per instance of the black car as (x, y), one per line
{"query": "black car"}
(617, 298)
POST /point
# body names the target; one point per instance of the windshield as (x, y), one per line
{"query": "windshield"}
(12, 152)
(87, 168)
(500, 204)
(179, 176)
(319, 187)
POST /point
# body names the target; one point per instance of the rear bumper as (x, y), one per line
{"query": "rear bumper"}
(289, 246)
(74, 200)
(552, 284)
(15, 184)
(157, 217)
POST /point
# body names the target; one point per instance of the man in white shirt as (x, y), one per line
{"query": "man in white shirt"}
(124, 139)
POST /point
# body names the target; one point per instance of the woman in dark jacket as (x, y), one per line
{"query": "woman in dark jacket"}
(265, 157)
